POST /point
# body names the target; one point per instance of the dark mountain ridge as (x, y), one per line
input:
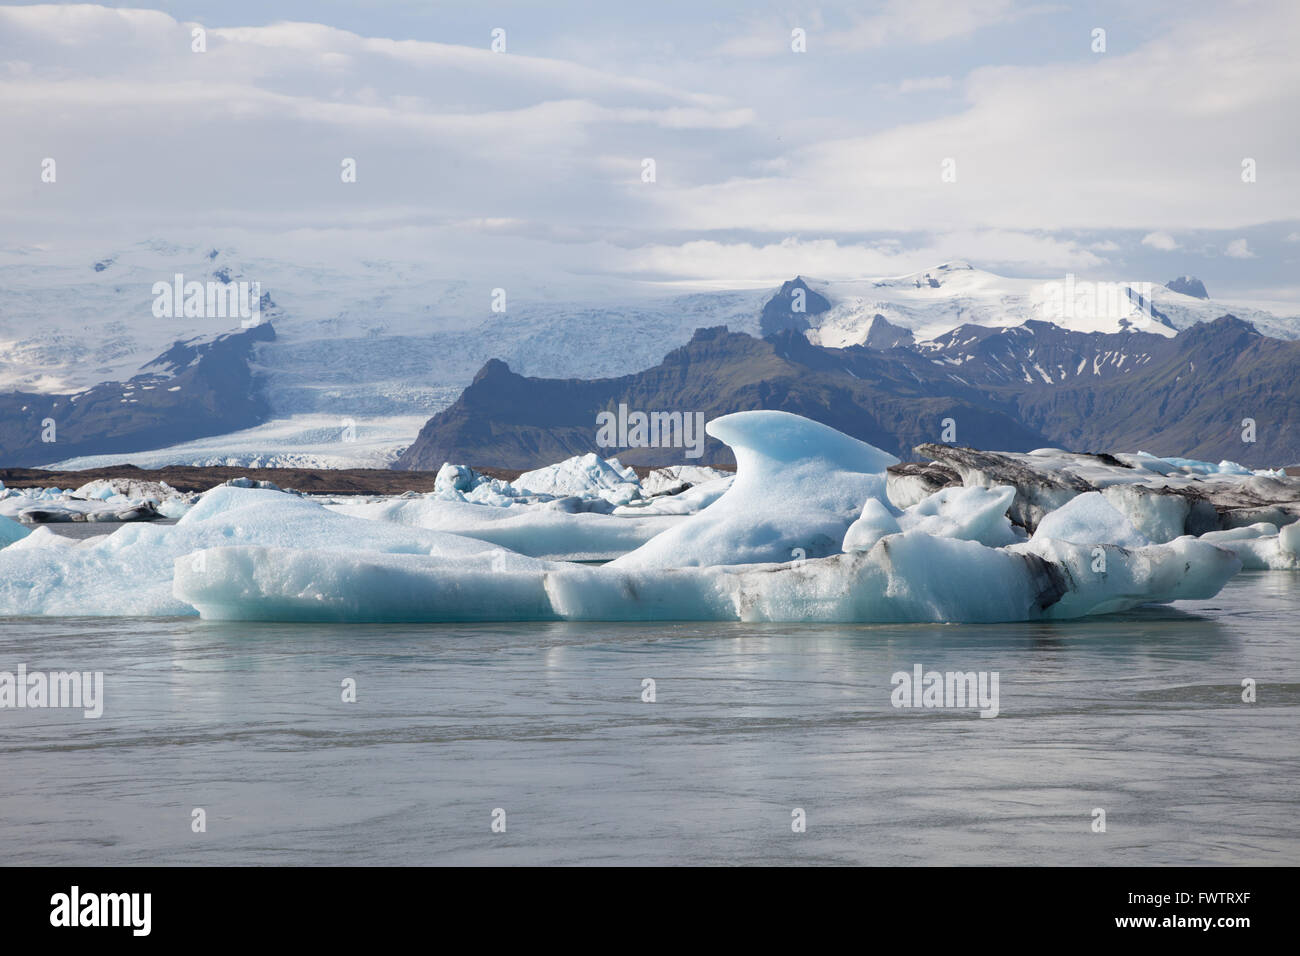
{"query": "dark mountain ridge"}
(1012, 389)
(197, 388)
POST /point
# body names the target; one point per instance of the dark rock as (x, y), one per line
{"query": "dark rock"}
(779, 312)
(1188, 285)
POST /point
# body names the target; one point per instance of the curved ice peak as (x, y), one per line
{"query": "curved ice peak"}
(760, 439)
(799, 486)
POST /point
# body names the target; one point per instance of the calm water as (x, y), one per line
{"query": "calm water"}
(1139, 714)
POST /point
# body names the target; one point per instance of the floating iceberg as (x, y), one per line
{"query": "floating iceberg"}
(543, 529)
(112, 499)
(802, 491)
(908, 577)
(129, 572)
(1090, 519)
(799, 485)
(11, 531)
(588, 477)
(1164, 498)
(584, 475)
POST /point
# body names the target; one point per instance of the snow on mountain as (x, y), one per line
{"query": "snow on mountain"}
(935, 301)
(299, 441)
(380, 343)
(384, 344)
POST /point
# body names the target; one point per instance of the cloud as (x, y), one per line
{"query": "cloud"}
(925, 84)
(1160, 240)
(843, 28)
(829, 259)
(764, 168)
(1238, 249)
(1052, 145)
(917, 22)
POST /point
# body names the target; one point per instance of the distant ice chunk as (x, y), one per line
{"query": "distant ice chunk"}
(586, 475)
(676, 478)
(693, 499)
(459, 478)
(1261, 547)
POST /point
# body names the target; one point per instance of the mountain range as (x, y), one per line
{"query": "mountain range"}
(1204, 393)
(364, 352)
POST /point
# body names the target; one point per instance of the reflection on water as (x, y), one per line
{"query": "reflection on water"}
(1139, 714)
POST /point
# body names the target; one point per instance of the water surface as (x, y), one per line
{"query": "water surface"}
(1139, 714)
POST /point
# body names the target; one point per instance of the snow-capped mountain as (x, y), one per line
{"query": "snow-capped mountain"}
(1041, 353)
(1020, 389)
(371, 347)
(934, 301)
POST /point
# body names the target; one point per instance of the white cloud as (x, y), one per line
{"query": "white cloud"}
(826, 258)
(925, 84)
(1238, 249)
(152, 139)
(1053, 145)
(1160, 240)
(894, 23)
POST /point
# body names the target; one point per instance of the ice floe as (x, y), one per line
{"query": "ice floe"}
(544, 529)
(114, 499)
(804, 531)
(1164, 498)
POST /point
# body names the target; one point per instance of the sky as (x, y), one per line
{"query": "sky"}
(904, 133)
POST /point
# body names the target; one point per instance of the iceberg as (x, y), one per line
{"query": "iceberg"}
(11, 531)
(1261, 547)
(584, 475)
(543, 530)
(129, 572)
(803, 532)
(676, 478)
(908, 577)
(972, 514)
(1090, 519)
(799, 485)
